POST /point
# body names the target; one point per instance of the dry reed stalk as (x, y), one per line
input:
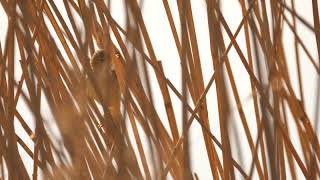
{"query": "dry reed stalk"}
(51, 54)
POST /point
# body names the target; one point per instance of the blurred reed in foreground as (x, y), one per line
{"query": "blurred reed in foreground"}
(93, 102)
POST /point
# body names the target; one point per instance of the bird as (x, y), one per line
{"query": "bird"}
(106, 79)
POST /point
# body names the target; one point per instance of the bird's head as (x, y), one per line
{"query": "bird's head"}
(101, 62)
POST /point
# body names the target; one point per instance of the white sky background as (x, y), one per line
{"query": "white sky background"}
(162, 40)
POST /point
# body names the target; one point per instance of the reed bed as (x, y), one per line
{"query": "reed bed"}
(75, 124)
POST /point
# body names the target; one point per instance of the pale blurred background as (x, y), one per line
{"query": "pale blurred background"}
(162, 41)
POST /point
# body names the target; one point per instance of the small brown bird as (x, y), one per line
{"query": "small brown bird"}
(106, 80)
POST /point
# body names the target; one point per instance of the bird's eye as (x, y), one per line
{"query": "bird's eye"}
(101, 56)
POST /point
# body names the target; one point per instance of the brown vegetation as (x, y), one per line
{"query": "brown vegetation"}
(84, 96)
